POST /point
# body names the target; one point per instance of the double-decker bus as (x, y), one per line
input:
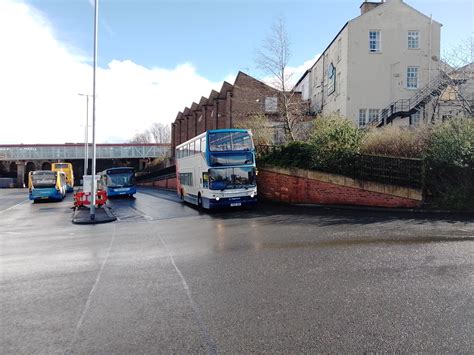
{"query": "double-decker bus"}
(46, 185)
(217, 169)
(66, 168)
(118, 181)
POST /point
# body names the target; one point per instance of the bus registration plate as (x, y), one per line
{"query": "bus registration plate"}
(236, 204)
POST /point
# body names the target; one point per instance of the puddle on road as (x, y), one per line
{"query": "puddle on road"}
(355, 242)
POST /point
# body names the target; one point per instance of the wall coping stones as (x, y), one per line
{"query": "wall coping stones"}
(341, 180)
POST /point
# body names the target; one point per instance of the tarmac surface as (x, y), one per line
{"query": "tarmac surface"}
(167, 278)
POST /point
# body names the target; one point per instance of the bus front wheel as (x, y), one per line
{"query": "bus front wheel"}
(181, 196)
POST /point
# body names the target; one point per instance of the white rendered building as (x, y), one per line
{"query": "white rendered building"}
(382, 66)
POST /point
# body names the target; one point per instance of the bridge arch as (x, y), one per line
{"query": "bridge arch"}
(13, 167)
(30, 166)
(46, 165)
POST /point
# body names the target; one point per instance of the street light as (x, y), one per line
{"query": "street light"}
(86, 138)
(96, 20)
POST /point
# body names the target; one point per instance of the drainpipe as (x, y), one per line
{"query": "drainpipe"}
(322, 82)
(231, 124)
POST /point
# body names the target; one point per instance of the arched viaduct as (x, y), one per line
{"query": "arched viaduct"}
(17, 160)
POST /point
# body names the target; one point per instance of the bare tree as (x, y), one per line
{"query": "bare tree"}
(260, 126)
(273, 59)
(458, 97)
(143, 137)
(160, 132)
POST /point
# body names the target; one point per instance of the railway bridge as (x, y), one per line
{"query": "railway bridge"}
(17, 160)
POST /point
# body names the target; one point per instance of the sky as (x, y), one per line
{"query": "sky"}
(155, 57)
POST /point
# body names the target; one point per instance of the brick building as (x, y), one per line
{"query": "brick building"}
(247, 96)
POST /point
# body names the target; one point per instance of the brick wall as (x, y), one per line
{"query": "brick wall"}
(223, 109)
(300, 186)
(163, 184)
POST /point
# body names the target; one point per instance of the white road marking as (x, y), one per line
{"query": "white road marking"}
(91, 293)
(211, 346)
(12, 207)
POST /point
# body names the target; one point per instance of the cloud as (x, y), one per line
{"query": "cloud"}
(293, 74)
(41, 78)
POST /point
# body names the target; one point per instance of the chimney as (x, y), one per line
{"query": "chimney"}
(369, 5)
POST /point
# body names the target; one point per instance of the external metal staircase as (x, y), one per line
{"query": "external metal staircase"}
(407, 107)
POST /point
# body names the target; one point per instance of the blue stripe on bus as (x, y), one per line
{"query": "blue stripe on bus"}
(45, 193)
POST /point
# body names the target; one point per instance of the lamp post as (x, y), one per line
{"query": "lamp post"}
(86, 136)
(96, 20)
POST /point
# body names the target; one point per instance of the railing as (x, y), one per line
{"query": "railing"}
(76, 151)
(384, 169)
(166, 173)
(392, 170)
(405, 107)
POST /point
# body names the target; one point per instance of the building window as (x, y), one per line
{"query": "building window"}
(412, 78)
(339, 45)
(413, 39)
(373, 114)
(271, 104)
(415, 119)
(362, 117)
(374, 42)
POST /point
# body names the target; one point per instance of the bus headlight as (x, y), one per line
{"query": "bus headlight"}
(218, 198)
(252, 195)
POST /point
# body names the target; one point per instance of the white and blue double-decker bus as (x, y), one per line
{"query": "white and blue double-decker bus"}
(118, 181)
(217, 169)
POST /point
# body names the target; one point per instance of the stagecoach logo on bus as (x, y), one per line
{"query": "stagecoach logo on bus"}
(217, 169)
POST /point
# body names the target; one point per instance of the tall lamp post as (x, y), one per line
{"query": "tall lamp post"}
(86, 136)
(96, 20)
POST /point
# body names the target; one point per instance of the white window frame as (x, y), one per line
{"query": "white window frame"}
(377, 41)
(412, 78)
(271, 104)
(372, 114)
(415, 118)
(362, 117)
(413, 39)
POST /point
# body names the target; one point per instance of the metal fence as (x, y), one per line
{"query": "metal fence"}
(166, 173)
(384, 169)
(393, 170)
(76, 151)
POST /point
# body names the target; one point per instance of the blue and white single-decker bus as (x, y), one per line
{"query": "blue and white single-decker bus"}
(217, 169)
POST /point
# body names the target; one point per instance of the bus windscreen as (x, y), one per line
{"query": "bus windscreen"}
(120, 178)
(61, 166)
(232, 178)
(230, 141)
(222, 159)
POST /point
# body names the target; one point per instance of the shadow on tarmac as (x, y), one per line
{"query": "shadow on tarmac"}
(277, 213)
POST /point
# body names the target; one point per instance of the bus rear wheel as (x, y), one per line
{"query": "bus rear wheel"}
(199, 201)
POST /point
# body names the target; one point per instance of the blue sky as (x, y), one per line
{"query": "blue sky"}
(157, 56)
(219, 36)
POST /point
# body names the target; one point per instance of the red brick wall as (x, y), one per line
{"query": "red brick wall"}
(294, 189)
(163, 184)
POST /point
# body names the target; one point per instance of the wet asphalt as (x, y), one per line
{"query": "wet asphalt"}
(167, 278)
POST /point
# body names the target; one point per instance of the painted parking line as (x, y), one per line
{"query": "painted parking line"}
(12, 207)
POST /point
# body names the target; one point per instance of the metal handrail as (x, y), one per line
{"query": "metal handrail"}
(405, 106)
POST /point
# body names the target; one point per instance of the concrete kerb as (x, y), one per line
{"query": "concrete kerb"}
(102, 215)
(382, 209)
